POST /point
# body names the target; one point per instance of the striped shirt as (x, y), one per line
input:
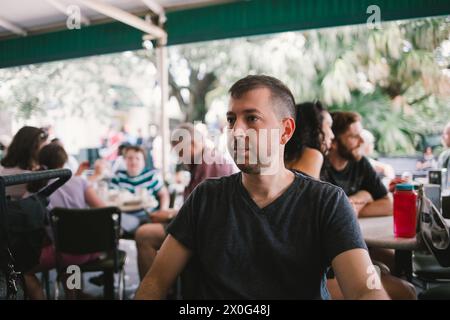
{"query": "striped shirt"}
(149, 179)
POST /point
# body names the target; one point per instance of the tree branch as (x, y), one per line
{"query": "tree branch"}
(176, 91)
(419, 99)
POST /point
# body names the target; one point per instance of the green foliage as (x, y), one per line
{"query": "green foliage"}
(393, 76)
(89, 87)
(397, 77)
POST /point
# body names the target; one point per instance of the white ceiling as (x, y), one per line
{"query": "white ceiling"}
(35, 16)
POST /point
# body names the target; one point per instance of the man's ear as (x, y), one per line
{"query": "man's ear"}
(288, 130)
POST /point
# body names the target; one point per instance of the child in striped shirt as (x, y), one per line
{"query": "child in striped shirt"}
(137, 176)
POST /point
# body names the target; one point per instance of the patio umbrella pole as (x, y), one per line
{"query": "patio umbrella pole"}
(161, 53)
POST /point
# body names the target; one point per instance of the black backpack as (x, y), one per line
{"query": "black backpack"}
(22, 229)
(27, 219)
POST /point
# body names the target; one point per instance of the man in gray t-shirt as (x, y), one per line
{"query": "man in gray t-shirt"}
(267, 232)
(283, 250)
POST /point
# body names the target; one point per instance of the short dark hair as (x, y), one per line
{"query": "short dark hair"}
(342, 120)
(280, 93)
(135, 149)
(24, 148)
(53, 156)
(122, 148)
(308, 130)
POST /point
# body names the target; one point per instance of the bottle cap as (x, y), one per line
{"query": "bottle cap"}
(404, 187)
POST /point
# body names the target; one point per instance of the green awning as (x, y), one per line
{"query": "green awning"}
(240, 18)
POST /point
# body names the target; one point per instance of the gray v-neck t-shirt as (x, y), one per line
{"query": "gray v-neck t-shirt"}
(281, 251)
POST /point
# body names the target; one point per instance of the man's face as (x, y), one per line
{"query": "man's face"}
(446, 136)
(348, 144)
(135, 162)
(257, 135)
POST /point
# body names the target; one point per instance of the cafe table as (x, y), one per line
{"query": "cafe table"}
(131, 204)
(378, 232)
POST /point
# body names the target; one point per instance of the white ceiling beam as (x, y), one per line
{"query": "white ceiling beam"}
(125, 17)
(158, 9)
(12, 27)
(63, 9)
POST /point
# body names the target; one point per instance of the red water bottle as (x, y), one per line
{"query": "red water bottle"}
(405, 199)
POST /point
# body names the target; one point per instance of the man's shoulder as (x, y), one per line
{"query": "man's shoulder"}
(362, 166)
(364, 162)
(315, 186)
(218, 183)
(212, 189)
(312, 186)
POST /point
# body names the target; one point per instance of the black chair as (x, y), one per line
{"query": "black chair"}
(428, 270)
(436, 293)
(87, 231)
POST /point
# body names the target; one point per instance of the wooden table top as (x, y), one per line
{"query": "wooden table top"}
(378, 232)
(130, 203)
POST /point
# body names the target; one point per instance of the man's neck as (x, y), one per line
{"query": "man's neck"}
(336, 161)
(265, 188)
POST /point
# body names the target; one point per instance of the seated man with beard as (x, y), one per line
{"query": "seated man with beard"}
(346, 167)
(185, 137)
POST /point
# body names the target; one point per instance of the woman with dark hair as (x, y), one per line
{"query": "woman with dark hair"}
(311, 140)
(22, 156)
